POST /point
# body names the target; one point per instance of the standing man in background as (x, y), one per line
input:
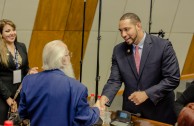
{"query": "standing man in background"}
(148, 67)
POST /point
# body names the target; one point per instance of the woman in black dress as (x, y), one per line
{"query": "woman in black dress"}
(13, 67)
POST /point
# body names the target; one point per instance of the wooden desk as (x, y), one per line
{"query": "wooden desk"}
(143, 122)
(137, 121)
(147, 122)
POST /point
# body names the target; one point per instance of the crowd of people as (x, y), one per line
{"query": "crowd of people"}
(147, 65)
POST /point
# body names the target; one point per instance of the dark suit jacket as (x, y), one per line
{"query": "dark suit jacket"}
(7, 88)
(50, 98)
(158, 77)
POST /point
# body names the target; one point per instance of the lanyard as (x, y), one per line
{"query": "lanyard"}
(16, 59)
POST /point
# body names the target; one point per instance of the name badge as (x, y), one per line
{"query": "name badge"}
(17, 76)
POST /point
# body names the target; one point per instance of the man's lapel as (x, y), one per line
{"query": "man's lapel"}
(131, 60)
(145, 53)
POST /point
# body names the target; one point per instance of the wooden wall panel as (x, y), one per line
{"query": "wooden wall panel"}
(188, 68)
(52, 14)
(38, 40)
(61, 19)
(75, 18)
(73, 41)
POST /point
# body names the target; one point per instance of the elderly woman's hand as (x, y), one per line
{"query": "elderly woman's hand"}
(14, 106)
(12, 103)
(33, 70)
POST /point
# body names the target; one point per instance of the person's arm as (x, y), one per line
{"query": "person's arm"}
(170, 75)
(103, 102)
(12, 103)
(138, 97)
(22, 105)
(86, 115)
(33, 70)
(27, 69)
(4, 92)
(114, 82)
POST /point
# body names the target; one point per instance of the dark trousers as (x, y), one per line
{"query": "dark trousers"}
(3, 111)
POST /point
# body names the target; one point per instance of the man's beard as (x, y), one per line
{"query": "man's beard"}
(68, 70)
(134, 40)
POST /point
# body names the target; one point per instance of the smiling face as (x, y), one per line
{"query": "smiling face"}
(9, 33)
(129, 31)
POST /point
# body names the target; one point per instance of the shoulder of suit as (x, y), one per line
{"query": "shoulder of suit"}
(120, 45)
(20, 44)
(156, 39)
(76, 83)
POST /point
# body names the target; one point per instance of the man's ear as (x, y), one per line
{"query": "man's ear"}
(64, 61)
(138, 25)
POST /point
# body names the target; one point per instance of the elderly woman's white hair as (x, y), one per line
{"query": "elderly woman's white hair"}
(53, 54)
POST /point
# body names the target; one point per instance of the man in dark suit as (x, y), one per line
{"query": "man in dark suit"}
(53, 97)
(148, 67)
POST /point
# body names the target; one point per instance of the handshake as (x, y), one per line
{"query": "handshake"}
(104, 114)
(100, 103)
